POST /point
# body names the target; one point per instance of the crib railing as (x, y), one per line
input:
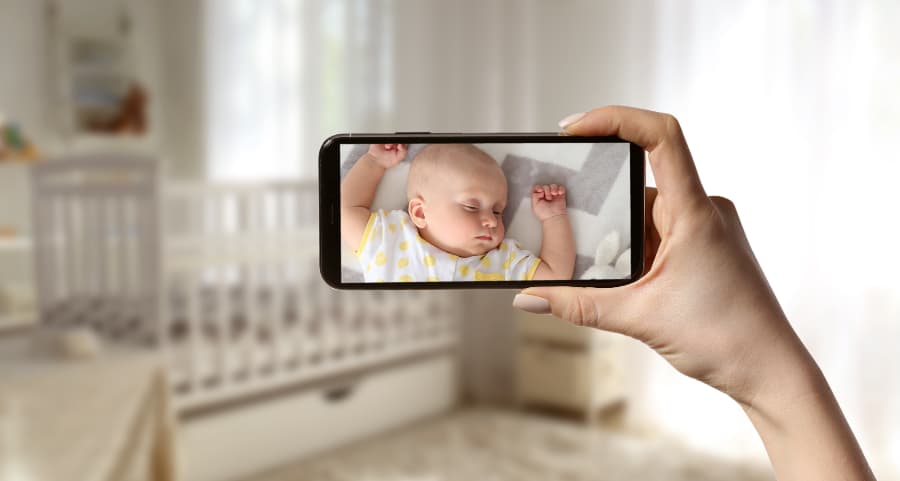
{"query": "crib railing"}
(96, 244)
(223, 278)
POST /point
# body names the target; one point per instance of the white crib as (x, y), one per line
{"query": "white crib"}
(222, 277)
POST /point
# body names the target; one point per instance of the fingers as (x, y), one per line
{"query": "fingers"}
(651, 234)
(581, 306)
(661, 136)
(548, 191)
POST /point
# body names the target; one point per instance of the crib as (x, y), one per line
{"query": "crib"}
(222, 278)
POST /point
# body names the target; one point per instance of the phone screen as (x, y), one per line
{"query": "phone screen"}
(492, 212)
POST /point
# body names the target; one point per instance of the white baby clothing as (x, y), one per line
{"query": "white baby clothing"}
(391, 250)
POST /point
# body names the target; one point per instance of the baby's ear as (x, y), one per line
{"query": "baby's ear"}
(417, 212)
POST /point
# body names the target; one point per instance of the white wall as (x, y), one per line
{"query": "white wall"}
(23, 73)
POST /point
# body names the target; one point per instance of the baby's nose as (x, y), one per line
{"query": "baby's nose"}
(488, 220)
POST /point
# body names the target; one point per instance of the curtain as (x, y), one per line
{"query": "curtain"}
(282, 75)
(791, 110)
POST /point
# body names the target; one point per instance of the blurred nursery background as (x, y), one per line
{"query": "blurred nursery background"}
(161, 310)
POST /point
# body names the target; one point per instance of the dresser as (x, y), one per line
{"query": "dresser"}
(100, 419)
(566, 367)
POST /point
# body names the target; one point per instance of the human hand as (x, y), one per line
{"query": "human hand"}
(548, 201)
(706, 307)
(387, 155)
(703, 302)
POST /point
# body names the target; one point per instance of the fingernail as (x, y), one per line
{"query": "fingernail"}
(571, 119)
(532, 304)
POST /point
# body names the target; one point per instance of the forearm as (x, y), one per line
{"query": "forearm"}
(359, 186)
(799, 420)
(558, 246)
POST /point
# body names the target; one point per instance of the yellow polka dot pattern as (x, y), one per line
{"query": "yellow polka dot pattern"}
(393, 256)
(485, 276)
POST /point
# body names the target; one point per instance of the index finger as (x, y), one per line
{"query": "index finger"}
(661, 136)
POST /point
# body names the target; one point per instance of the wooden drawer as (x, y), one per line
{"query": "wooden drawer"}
(551, 329)
(550, 375)
(263, 435)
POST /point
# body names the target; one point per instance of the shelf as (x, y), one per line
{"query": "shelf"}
(13, 321)
(15, 244)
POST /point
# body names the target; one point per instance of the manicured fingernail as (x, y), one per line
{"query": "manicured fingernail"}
(532, 304)
(571, 119)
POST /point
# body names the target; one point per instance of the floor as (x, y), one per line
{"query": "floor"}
(501, 445)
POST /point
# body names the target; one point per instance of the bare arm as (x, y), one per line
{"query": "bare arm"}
(558, 243)
(705, 305)
(800, 423)
(359, 186)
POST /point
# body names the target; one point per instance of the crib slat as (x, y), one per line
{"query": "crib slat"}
(42, 226)
(119, 255)
(101, 250)
(147, 265)
(193, 290)
(277, 284)
(155, 326)
(217, 216)
(70, 249)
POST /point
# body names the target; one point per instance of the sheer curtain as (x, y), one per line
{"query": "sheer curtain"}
(791, 109)
(281, 75)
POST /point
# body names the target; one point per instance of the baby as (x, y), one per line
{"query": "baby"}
(453, 227)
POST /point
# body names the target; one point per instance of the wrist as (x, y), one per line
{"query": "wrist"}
(555, 217)
(781, 373)
(371, 161)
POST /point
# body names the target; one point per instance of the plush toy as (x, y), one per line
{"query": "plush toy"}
(609, 261)
(14, 144)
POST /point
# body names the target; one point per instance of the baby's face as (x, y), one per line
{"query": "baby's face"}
(464, 212)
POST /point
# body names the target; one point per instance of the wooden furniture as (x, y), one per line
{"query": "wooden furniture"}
(567, 367)
(100, 419)
(17, 297)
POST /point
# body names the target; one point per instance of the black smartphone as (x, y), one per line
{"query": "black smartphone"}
(421, 210)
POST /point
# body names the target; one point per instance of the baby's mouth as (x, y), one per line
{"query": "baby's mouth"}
(485, 237)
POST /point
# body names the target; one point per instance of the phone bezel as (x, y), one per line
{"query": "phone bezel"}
(330, 222)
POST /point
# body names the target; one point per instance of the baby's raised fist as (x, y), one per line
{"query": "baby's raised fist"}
(387, 155)
(548, 200)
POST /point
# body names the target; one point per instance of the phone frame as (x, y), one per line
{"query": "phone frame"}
(330, 241)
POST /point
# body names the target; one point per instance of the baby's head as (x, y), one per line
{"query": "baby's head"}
(457, 194)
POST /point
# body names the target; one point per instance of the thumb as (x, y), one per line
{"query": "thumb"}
(581, 306)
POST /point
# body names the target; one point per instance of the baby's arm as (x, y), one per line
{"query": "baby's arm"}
(358, 188)
(558, 243)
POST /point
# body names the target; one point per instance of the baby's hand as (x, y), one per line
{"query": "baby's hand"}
(548, 201)
(387, 155)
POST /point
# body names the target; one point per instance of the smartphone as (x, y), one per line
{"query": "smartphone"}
(421, 210)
